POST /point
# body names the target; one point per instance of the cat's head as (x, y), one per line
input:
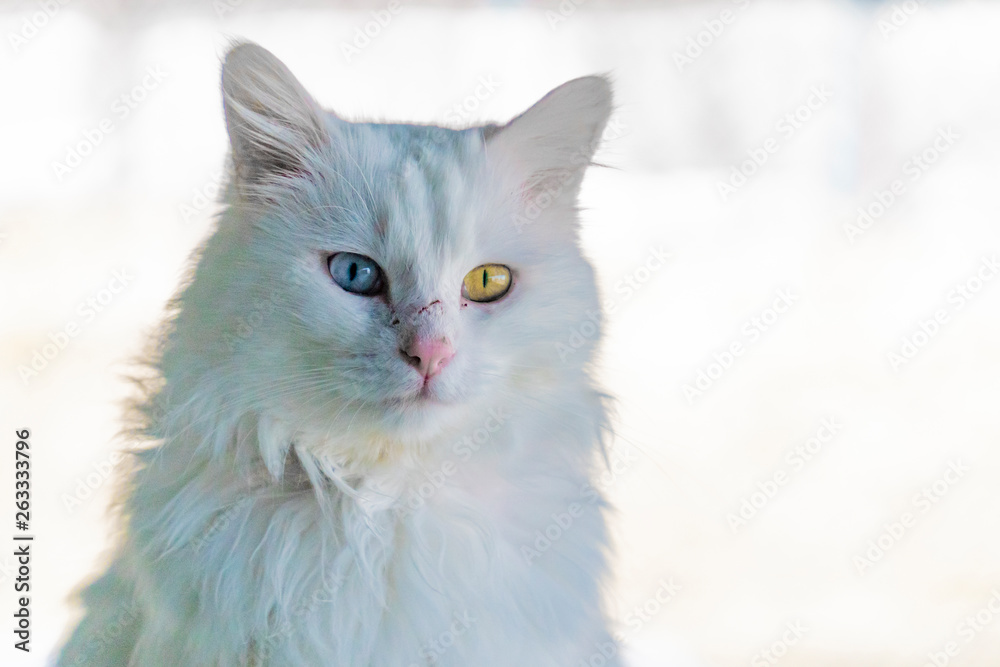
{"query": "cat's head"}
(380, 278)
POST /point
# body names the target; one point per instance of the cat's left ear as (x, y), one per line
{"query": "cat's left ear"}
(271, 119)
(551, 144)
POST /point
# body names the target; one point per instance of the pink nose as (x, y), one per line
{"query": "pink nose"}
(428, 356)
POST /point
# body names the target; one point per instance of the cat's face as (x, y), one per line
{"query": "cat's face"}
(413, 270)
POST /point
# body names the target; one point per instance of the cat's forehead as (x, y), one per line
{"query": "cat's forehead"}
(420, 164)
(418, 187)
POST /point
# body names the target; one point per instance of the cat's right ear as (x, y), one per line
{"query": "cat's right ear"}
(272, 121)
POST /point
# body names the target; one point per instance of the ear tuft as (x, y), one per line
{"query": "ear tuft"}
(272, 121)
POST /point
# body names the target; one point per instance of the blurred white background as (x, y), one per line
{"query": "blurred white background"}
(878, 547)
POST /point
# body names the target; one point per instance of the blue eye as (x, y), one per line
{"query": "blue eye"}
(356, 273)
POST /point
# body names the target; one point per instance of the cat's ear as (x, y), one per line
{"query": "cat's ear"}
(552, 143)
(271, 119)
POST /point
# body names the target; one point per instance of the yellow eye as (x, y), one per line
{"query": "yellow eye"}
(485, 283)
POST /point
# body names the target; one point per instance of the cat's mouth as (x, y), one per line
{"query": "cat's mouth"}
(421, 395)
(427, 394)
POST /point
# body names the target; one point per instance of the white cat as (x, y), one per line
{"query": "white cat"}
(368, 437)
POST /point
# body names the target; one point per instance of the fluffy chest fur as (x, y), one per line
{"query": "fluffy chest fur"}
(491, 549)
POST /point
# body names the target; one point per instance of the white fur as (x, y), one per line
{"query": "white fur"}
(294, 504)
